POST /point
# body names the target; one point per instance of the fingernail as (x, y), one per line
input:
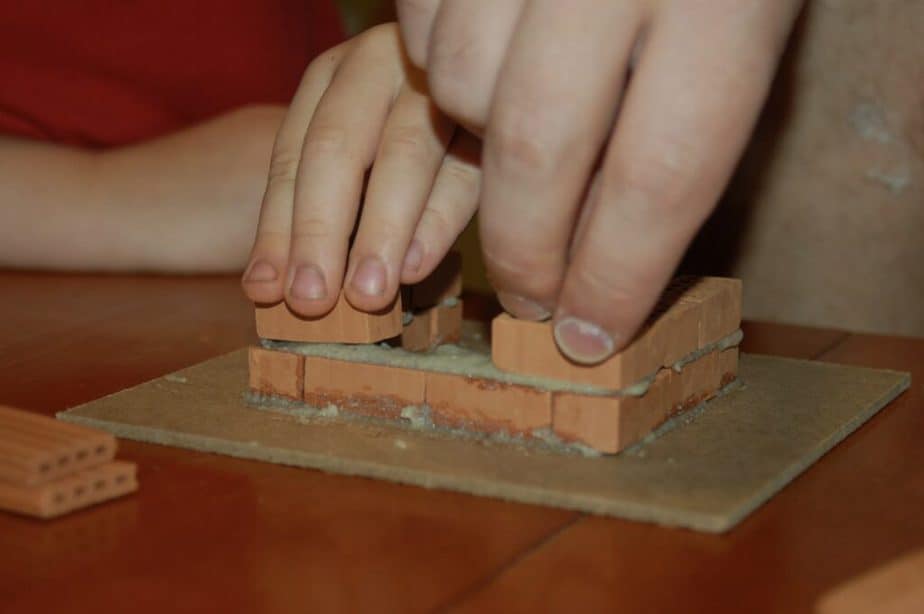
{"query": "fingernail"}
(369, 277)
(308, 283)
(582, 341)
(414, 257)
(261, 271)
(523, 308)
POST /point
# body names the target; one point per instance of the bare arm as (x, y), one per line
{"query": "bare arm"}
(187, 202)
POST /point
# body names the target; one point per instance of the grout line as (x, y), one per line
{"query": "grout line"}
(476, 587)
(831, 346)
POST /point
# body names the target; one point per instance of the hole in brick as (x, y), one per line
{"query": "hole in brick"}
(63, 461)
(99, 484)
(100, 450)
(44, 468)
(79, 491)
(82, 455)
(59, 498)
(120, 479)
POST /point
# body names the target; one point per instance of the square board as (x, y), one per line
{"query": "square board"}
(707, 473)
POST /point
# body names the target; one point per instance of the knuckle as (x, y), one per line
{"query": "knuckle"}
(517, 140)
(310, 228)
(455, 96)
(453, 71)
(325, 141)
(464, 176)
(283, 167)
(407, 142)
(438, 223)
(661, 177)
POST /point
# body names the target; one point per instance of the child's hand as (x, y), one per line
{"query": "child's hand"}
(358, 103)
(648, 102)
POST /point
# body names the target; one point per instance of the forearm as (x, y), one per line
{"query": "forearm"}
(183, 203)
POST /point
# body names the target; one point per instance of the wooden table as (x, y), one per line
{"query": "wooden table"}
(210, 533)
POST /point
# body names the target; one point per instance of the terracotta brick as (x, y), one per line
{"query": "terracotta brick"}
(609, 424)
(36, 449)
(446, 324)
(701, 379)
(432, 327)
(520, 346)
(720, 298)
(367, 389)
(416, 335)
(343, 324)
(277, 373)
(82, 489)
(443, 283)
(728, 366)
(486, 405)
(692, 313)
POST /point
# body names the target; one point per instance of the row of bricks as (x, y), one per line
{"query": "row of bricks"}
(76, 491)
(346, 324)
(35, 449)
(49, 468)
(605, 423)
(693, 313)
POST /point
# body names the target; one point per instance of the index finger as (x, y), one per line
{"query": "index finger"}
(686, 118)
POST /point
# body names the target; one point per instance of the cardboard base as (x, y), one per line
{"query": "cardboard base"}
(707, 474)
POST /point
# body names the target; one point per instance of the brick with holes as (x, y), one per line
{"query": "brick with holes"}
(35, 449)
(72, 492)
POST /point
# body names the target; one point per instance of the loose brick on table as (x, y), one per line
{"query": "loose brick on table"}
(367, 389)
(35, 449)
(445, 282)
(432, 327)
(343, 324)
(487, 405)
(82, 489)
(276, 372)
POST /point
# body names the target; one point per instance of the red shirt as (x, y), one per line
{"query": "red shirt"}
(108, 72)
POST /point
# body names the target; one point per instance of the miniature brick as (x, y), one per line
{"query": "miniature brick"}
(720, 298)
(82, 489)
(416, 334)
(276, 373)
(36, 449)
(343, 324)
(692, 313)
(445, 282)
(700, 379)
(487, 405)
(609, 424)
(433, 327)
(525, 347)
(367, 389)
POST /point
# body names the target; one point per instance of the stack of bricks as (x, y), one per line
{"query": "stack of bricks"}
(685, 355)
(49, 468)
